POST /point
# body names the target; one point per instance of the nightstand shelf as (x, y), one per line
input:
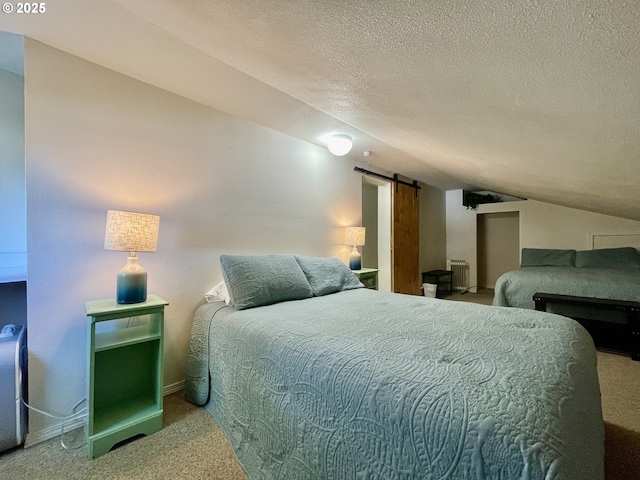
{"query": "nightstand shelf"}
(124, 371)
(368, 276)
(114, 417)
(126, 336)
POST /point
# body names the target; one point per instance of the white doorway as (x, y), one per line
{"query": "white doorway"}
(376, 218)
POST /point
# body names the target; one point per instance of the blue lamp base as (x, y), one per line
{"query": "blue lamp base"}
(131, 283)
(355, 260)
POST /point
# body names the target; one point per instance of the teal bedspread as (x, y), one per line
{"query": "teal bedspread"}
(516, 288)
(365, 384)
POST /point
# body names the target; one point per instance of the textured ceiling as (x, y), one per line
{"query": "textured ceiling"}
(534, 98)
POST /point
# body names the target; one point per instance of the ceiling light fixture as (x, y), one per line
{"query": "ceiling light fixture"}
(339, 144)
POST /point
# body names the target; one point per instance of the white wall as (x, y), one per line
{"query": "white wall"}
(98, 140)
(542, 225)
(370, 222)
(432, 228)
(384, 237)
(461, 228)
(13, 236)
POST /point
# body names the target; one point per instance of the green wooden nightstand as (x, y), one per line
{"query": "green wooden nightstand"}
(368, 276)
(124, 371)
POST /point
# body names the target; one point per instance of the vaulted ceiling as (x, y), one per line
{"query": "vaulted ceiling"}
(533, 98)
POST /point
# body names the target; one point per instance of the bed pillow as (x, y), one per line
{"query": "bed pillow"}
(624, 257)
(327, 275)
(218, 293)
(256, 280)
(545, 257)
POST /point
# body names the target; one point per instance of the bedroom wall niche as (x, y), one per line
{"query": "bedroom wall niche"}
(98, 140)
(498, 246)
(616, 241)
(13, 217)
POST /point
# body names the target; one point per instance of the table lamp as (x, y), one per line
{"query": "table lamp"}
(131, 232)
(354, 236)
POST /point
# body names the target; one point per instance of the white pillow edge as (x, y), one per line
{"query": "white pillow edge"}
(218, 293)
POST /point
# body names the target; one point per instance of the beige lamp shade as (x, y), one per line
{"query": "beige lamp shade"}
(131, 231)
(354, 236)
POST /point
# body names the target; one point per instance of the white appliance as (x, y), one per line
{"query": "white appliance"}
(13, 386)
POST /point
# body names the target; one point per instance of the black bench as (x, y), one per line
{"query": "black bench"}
(622, 335)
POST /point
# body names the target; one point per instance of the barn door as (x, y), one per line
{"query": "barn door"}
(405, 239)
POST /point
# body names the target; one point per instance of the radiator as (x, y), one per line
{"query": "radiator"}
(459, 268)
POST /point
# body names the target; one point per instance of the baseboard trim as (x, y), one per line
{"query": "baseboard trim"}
(53, 431)
(173, 388)
(56, 430)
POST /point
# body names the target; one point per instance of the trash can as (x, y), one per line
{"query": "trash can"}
(429, 289)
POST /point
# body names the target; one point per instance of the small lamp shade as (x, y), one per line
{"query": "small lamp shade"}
(131, 232)
(354, 236)
(339, 144)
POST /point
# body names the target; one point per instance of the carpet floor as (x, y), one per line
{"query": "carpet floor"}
(192, 446)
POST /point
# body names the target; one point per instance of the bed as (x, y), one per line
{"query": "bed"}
(324, 379)
(608, 273)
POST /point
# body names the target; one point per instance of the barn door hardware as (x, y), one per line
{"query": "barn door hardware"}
(393, 179)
